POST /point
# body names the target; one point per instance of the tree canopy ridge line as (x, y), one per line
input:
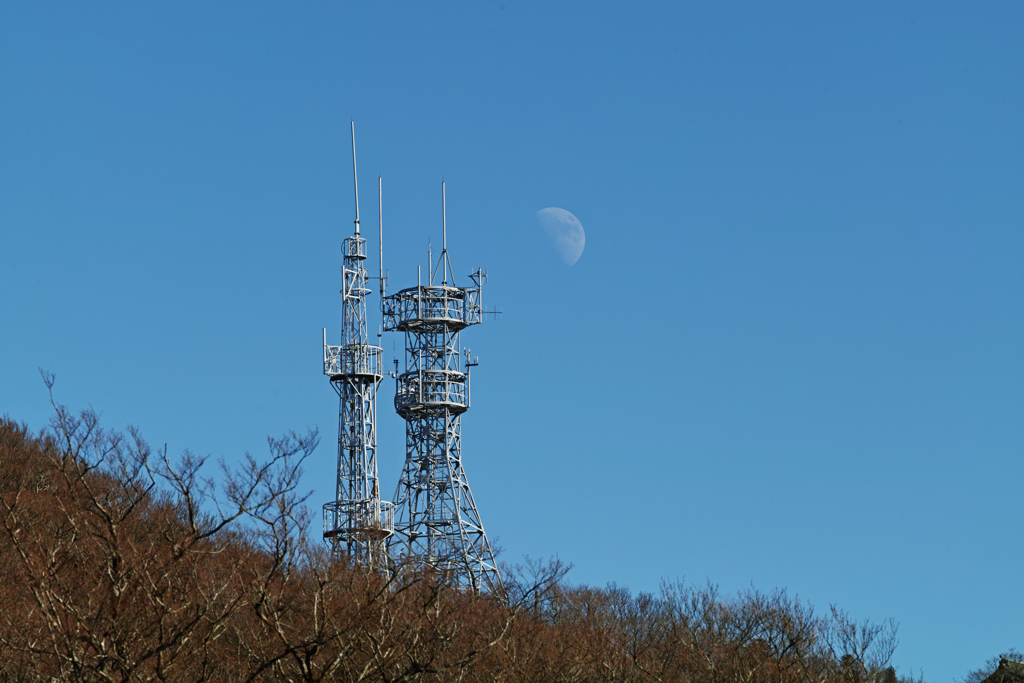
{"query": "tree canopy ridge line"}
(121, 564)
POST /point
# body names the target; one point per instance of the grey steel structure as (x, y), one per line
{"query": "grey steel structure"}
(436, 519)
(357, 523)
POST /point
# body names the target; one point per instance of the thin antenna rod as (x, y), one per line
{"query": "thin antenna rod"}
(380, 214)
(444, 238)
(355, 178)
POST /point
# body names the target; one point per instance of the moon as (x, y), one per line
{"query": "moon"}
(565, 233)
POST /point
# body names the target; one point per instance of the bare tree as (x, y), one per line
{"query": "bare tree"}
(863, 650)
(124, 564)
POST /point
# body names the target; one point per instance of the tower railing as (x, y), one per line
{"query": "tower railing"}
(354, 247)
(453, 308)
(425, 390)
(353, 360)
(359, 520)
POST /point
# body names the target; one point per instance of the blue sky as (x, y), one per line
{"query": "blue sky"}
(790, 355)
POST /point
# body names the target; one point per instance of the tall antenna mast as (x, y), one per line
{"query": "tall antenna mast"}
(355, 176)
(444, 236)
(380, 214)
(357, 523)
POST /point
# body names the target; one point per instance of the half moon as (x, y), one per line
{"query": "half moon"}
(564, 232)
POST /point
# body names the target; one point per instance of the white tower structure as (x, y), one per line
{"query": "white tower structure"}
(437, 522)
(357, 523)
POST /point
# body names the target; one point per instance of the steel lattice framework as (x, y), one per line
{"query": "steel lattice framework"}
(436, 520)
(357, 523)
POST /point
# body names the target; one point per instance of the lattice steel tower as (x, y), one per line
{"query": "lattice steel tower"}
(357, 523)
(436, 520)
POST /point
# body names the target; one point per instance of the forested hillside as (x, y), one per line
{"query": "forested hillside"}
(118, 563)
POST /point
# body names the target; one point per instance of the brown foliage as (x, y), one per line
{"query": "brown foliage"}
(118, 564)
